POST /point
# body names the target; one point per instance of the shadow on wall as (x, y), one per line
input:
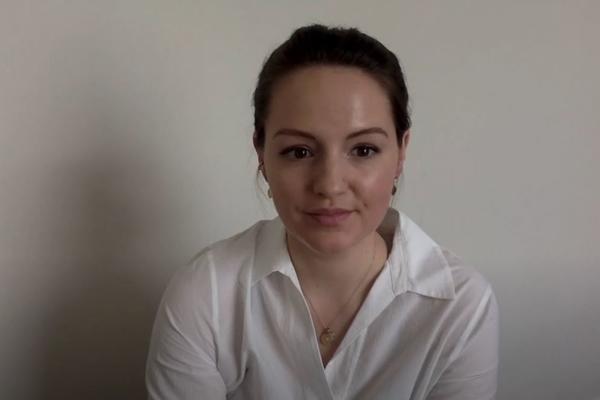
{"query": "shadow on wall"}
(98, 332)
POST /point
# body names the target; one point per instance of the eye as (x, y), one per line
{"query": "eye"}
(296, 153)
(365, 151)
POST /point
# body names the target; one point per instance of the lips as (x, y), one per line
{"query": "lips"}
(328, 211)
(329, 216)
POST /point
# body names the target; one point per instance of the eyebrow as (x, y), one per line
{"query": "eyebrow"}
(298, 132)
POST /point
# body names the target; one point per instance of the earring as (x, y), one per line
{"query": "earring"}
(394, 189)
(269, 193)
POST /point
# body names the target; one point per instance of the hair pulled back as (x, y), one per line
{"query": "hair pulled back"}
(321, 45)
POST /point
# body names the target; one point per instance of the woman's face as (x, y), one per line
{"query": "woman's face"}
(330, 145)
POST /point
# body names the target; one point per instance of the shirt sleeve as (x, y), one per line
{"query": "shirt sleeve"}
(473, 369)
(181, 362)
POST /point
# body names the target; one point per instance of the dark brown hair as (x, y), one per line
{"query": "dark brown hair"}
(322, 45)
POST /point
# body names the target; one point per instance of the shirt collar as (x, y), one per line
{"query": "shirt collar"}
(416, 263)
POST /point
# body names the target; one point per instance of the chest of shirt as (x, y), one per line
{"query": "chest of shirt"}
(392, 349)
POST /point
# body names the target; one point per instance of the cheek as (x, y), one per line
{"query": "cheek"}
(377, 184)
(286, 183)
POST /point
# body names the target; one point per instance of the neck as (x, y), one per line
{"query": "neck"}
(335, 272)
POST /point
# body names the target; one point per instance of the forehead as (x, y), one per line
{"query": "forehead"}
(329, 100)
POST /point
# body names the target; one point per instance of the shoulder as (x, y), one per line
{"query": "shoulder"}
(216, 270)
(468, 282)
(474, 301)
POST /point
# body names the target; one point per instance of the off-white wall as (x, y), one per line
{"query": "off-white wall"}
(125, 148)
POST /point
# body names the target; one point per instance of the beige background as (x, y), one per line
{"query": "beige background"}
(125, 148)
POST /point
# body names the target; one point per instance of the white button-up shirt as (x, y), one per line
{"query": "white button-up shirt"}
(235, 324)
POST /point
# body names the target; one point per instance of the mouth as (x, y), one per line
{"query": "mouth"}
(329, 216)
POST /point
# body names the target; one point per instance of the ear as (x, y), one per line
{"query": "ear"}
(402, 152)
(260, 156)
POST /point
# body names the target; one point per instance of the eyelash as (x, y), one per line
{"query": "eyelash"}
(287, 151)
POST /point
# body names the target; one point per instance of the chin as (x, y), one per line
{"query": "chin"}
(323, 240)
(326, 242)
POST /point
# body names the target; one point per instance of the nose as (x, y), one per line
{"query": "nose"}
(330, 176)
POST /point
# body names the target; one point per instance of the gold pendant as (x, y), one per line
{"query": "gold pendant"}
(327, 336)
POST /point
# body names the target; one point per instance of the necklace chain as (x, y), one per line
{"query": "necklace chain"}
(328, 335)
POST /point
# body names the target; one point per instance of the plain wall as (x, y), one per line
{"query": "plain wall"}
(125, 147)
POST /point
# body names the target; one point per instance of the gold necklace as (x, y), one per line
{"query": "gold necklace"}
(328, 335)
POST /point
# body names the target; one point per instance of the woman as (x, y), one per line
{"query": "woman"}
(340, 296)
